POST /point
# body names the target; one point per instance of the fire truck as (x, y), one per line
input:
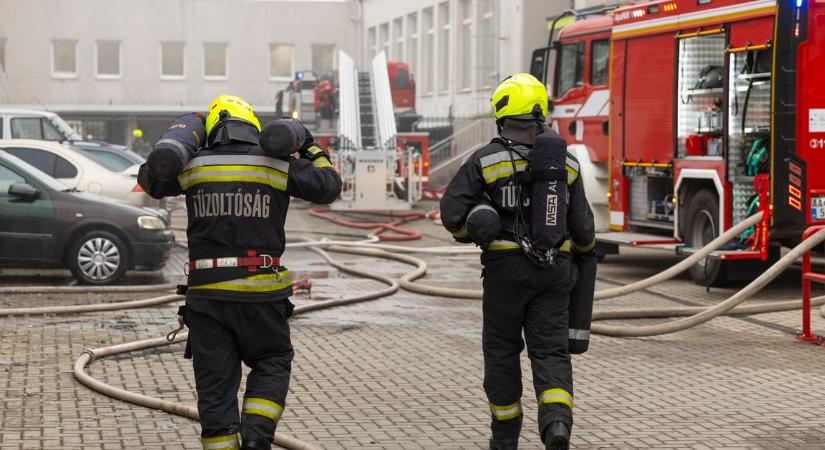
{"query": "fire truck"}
(692, 115)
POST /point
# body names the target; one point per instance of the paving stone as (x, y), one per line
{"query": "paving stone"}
(406, 371)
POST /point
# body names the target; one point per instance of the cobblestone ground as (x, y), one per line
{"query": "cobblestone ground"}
(405, 371)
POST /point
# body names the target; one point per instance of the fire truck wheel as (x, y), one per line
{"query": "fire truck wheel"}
(703, 227)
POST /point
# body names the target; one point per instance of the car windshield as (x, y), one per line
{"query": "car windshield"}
(50, 183)
(108, 159)
(65, 128)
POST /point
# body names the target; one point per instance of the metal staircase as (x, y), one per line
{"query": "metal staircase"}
(366, 106)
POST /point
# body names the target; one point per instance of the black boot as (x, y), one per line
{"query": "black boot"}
(505, 433)
(503, 444)
(557, 437)
(255, 445)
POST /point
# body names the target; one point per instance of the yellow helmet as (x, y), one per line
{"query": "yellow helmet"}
(520, 96)
(137, 133)
(235, 108)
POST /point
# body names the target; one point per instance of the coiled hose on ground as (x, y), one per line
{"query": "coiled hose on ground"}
(696, 315)
(180, 409)
(368, 247)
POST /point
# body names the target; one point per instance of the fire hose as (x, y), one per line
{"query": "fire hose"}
(182, 410)
(698, 314)
(683, 265)
(83, 289)
(378, 228)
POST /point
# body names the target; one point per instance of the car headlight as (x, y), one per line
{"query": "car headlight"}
(150, 223)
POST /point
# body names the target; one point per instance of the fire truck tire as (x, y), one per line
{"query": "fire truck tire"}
(703, 227)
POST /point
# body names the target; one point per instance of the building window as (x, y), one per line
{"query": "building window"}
(428, 58)
(372, 43)
(323, 58)
(465, 60)
(108, 59)
(281, 63)
(487, 75)
(412, 42)
(172, 60)
(599, 56)
(444, 47)
(214, 61)
(2, 55)
(398, 37)
(384, 38)
(64, 58)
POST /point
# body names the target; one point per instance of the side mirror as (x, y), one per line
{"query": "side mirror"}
(23, 191)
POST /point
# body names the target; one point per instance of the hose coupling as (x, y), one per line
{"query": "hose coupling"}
(174, 333)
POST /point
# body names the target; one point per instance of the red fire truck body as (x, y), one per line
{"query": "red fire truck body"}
(700, 113)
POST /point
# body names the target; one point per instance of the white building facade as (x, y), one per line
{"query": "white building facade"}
(136, 63)
(459, 50)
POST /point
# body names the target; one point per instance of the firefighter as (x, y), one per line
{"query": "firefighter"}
(523, 291)
(139, 145)
(237, 302)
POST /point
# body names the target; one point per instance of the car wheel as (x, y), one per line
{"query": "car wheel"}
(98, 257)
(703, 228)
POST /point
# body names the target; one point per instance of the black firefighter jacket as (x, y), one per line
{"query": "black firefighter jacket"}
(490, 171)
(237, 200)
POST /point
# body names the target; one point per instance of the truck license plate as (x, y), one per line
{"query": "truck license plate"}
(818, 208)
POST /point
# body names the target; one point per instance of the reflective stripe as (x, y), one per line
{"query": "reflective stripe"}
(578, 335)
(506, 412)
(233, 173)
(262, 407)
(230, 441)
(502, 245)
(321, 162)
(572, 163)
(314, 150)
(587, 247)
(502, 170)
(501, 156)
(571, 175)
(499, 165)
(268, 282)
(250, 160)
(556, 396)
(175, 144)
(565, 246)
(482, 207)
(462, 232)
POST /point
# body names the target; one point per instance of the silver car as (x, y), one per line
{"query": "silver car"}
(77, 169)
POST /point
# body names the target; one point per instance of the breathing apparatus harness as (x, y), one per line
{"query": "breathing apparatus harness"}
(540, 257)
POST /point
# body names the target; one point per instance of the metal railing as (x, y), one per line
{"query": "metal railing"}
(349, 124)
(479, 131)
(384, 114)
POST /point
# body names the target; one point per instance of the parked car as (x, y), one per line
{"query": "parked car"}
(46, 224)
(78, 170)
(33, 124)
(114, 157)
(48, 126)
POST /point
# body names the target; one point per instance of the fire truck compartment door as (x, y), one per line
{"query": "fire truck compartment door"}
(754, 32)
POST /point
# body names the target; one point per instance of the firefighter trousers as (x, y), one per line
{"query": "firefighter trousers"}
(222, 334)
(520, 297)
